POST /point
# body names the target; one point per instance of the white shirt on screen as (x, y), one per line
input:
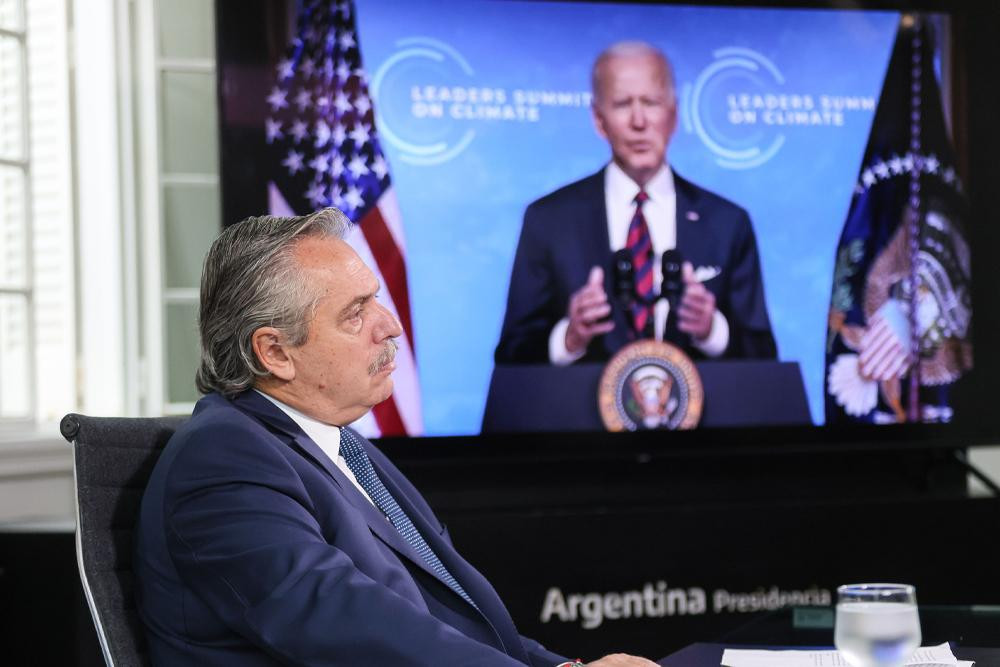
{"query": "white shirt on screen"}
(660, 211)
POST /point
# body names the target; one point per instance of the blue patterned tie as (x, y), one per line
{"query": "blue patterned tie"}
(357, 460)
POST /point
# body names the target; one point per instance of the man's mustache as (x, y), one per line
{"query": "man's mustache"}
(384, 357)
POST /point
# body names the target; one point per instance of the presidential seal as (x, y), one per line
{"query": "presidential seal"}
(650, 384)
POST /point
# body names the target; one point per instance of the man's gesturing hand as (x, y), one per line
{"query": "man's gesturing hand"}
(587, 307)
(697, 307)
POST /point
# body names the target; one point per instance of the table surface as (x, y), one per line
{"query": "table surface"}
(710, 655)
(972, 631)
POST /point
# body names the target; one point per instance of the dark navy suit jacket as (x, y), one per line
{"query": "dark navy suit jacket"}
(253, 548)
(565, 233)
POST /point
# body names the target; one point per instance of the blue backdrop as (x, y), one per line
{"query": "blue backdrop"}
(484, 106)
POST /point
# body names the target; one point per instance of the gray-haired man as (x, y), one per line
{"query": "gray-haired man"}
(269, 534)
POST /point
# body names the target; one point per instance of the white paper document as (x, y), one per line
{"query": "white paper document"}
(924, 656)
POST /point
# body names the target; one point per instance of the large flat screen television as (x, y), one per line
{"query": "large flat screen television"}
(829, 169)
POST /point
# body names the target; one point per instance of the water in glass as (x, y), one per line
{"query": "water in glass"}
(877, 625)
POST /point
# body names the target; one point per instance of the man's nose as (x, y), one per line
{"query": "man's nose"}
(638, 116)
(387, 326)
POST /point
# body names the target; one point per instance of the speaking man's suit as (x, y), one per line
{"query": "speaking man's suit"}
(253, 548)
(566, 233)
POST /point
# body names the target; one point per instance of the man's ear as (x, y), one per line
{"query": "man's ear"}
(595, 115)
(270, 347)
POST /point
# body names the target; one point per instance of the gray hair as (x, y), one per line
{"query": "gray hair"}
(251, 280)
(631, 50)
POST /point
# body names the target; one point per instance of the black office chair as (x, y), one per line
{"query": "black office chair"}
(112, 461)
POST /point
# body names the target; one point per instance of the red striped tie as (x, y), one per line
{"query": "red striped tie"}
(640, 246)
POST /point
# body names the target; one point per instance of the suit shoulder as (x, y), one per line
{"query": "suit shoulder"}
(569, 194)
(215, 416)
(707, 200)
(218, 436)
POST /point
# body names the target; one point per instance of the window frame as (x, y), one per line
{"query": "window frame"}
(25, 422)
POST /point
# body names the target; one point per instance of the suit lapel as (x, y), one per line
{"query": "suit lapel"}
(594, 216)
(474, 584)
(264, 410)
(688, 215)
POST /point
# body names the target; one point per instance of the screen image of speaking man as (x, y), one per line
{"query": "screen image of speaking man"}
(269, 534)
(635, 250)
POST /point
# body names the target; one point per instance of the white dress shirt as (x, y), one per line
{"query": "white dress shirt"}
(327, 436)
(660, 212)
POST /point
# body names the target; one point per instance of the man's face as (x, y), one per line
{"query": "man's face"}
(636, 113)
(343, 369)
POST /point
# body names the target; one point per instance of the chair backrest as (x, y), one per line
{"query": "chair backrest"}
(112, 461)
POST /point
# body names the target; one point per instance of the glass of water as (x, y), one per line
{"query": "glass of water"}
(877, 624)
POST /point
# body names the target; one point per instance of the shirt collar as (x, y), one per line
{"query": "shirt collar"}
(327, 436)
(622, 188)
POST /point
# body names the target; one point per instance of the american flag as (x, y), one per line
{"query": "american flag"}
(324, 151)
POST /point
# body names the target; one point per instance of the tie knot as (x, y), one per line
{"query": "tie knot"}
(641, 198)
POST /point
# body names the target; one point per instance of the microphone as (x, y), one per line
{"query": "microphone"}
(623, 277)
(671, 291)
(672, 287)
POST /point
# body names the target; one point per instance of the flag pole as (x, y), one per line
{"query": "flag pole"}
(916, 214)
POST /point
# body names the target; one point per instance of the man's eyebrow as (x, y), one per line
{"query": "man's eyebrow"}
(359, 301)
(346, 311)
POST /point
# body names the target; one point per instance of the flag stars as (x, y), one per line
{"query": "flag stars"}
(308, 67)
(316, 194)
(320, 115)
(337, 197)
(299, 130)
(362, 104)
(379, 167)
(273, 129)
(337, 166)
(320, 163)
(357, 166)
(286, 69)
(341, 102)
(339, 134)
(360, 135)
(900, 166)
(303, 100)
(277, 99)
(353, 198)
(343, 72)
(293, 162)
(322, 134)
